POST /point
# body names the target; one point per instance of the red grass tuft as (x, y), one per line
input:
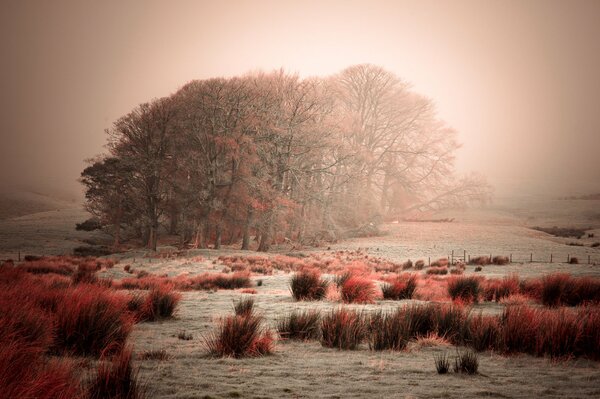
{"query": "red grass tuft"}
(239, 336)
(343, 329)
(308, 285)
(116, 379)
(358, 290)
(91, 321)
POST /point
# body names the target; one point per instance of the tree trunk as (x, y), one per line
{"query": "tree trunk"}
(246, 233)
(218, 233)
(152, 238)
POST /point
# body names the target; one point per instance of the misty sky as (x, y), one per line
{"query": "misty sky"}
(519, 80)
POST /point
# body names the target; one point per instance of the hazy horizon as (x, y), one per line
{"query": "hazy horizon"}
(517, 80)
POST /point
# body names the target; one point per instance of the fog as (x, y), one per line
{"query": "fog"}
(518, 80)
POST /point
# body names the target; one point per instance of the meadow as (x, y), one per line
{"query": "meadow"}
(386, 316)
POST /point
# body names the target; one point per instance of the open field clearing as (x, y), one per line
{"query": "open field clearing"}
(172, 354)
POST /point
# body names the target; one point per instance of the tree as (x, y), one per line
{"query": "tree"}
(142, 140)
(108, 193)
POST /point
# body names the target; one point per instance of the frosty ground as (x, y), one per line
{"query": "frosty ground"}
(307, 369)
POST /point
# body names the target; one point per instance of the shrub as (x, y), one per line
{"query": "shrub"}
(573, 260)
(244, 307)
(46, 266)
(553, 288)
(496, 290)
(483, 332)
(520, 326)
(480, 260)
(96, 250)
(91, 320)
(442, 363)
(29, 324)
(595, 244)
(589, 338)
(358, 290)
(308, 286)
(209, 281)
(90, 224)
(420, 264)
(559, 333)
(450, 322)
(160, 303)
(500, 260)
(562, 289)
(341, 278)
(401, 288)
(438, 270)
(25, 374)
(407, 265)
(456, 271)
(389, 330)
(84, 276)
(440, 262)
(116, 379)
(301, 325)
(342, 329)
(239, 336)
(465, 289)
(466, 362)
(478, 269)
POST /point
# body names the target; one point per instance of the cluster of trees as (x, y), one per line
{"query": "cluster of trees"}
(276, 157)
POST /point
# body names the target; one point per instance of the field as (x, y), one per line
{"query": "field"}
(299, 369)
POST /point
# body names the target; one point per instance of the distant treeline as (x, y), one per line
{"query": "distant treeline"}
(276, 157)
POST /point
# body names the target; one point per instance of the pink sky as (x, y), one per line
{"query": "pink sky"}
(519, 80)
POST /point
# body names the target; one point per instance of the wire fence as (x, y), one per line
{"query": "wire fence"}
(463, 256)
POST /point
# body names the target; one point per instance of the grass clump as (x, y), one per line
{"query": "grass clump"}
(343, 329)
(91, 321)
(239, 336)
(244, 307)
(116, 379)
(389, 330)
(300, 325)
(358, 289)
(442, 363)
(401, 288)
(308, 286)
(160, 303)
(466, 362)
(465, 289)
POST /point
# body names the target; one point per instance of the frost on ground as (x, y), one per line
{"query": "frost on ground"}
(306, 369)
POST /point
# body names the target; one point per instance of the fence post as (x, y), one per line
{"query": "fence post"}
(531, 257)
(19, 255)
(550, 258)
(510, 258)
(469, 258)
(452, 258)
(429, 261)
(465, 256)
(589, 258)
(568, 258)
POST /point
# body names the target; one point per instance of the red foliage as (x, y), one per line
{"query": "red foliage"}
(438, 270)
(116, 379)
(496, 289)
(240, 336)
(160, 303)
(358, 290)
(91, 321)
